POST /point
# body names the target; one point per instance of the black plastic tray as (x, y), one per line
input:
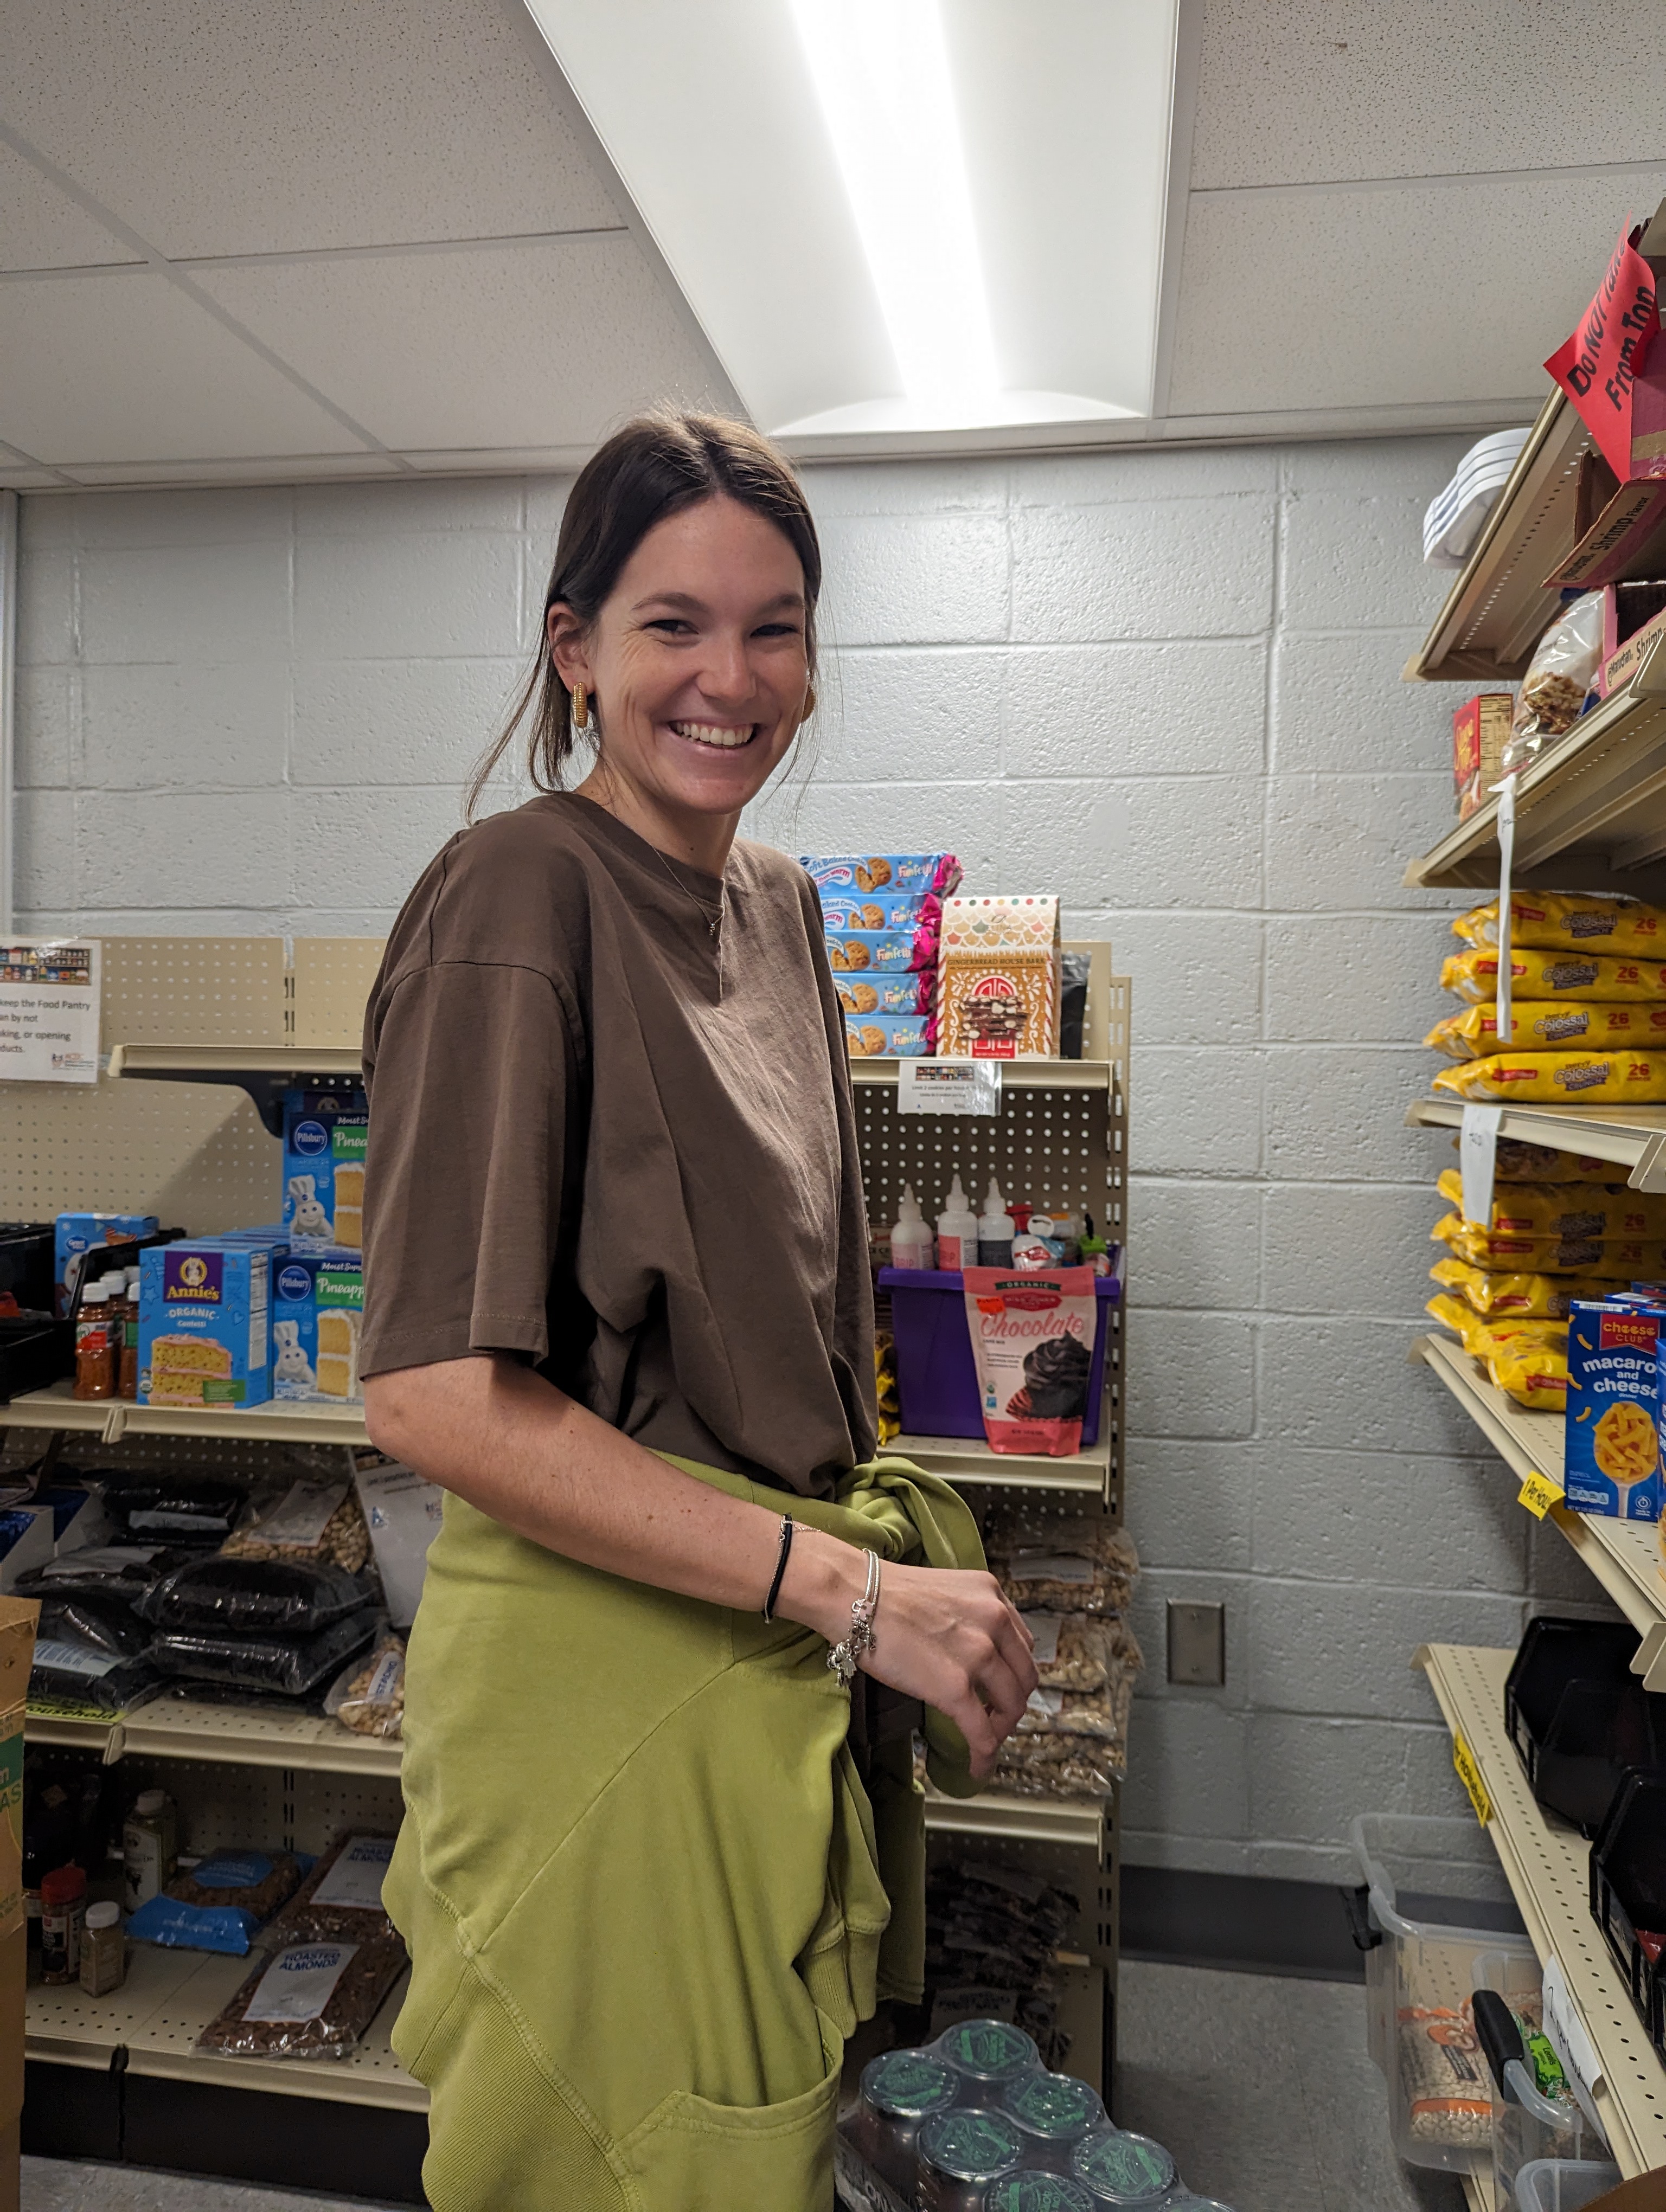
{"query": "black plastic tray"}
(1578, 1716)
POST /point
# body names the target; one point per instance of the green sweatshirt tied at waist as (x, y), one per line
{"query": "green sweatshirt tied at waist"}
(647, 1893)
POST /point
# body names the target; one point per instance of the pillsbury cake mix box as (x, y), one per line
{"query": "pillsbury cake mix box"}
(1612, 1448)
(203, 1324)
(325, 1136)
(317, 1311)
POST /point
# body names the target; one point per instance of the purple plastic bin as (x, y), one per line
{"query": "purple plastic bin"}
(936, 1378)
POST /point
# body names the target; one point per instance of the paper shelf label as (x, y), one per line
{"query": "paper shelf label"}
(1469, 1775)
(948, 1086)
(1539, 1493)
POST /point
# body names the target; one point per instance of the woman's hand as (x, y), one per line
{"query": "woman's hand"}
(946, 1635)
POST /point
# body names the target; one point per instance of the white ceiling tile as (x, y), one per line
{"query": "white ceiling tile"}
(1297, 90)
(290, 125)
(512, 346)
(41, 227)
(279, 468)
(1356, 298)
(15, 477)
(128, 368)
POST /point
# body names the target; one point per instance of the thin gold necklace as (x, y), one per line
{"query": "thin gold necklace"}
(591, 727)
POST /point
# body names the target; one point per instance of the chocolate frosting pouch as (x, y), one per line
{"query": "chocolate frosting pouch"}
(1032, 1345)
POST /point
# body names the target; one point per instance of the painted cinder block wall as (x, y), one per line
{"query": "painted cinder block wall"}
(1165, 684)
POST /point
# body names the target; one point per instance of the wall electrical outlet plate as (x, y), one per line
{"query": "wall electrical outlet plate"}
(1197, 1643)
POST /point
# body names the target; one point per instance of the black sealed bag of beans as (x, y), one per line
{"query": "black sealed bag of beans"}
(175, 1508)
(286, 1597)
(291, 1665)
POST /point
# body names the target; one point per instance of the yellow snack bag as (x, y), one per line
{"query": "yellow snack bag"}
(1534, 1374)
(1542, 1078)
(1569, 920)
(1536, 974)
(1567, 1210)
(1615, 1258)
(1523, 1297)
(1562, 1024)
(1480, 1337)
(1521, 1163)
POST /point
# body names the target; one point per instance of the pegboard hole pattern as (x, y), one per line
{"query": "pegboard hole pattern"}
(1548, 1865)
(192, 990)
(330, 982)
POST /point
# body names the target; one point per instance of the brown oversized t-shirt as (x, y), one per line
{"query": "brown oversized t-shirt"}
(607, 1138)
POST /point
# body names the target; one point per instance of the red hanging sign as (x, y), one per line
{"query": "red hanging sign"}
(1599, 365)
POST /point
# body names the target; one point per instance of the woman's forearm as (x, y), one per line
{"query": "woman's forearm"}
(522, 1451)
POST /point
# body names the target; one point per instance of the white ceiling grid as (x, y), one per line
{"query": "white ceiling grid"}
(371, 242)
(380, 237)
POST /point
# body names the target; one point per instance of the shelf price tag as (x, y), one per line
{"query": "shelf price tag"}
(1478, 1154)
(1469, 1775)
(948, 1086)
(1568, 2032)
(1539, 1493)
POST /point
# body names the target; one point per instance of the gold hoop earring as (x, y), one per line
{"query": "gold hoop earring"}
(580, 708)
(809, 707)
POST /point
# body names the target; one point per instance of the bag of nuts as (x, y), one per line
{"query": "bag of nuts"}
(315, 1521)
(370, 1695)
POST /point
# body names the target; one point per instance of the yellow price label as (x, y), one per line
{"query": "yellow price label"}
(1539, 1493)
(1469, 1775)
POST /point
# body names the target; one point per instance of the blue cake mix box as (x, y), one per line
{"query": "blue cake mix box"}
(317, 1312)
(203, 1324)
(1612, 1455)
(81, 1232)
(325, 1136)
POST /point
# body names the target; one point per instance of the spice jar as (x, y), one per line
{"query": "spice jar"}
(62, 1908)
(95, 1348)
(1123, 2169)
(103, 1951)
(1055, 2111)
(900, 2089)
(961, 2153)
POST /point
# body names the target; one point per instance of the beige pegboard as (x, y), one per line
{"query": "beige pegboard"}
(193, 990)
(331, 981)
(195, 1155)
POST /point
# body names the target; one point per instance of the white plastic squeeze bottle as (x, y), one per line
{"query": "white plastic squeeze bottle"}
(995, 1230)
(956, 1231)
(911, 1236)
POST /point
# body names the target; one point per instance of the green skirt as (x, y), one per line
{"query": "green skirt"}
(646, 1893)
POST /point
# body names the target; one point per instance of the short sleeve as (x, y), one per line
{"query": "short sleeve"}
(473, 1102)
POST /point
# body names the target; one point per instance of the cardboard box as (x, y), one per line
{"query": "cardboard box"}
(1626, 660)
(998, 979)
(317, 1312)
(325, 1136)
(1612, 1448)
(78, 1233)
(1481, 729)
(204, 1324)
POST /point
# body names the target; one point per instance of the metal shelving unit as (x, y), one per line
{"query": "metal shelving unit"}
(1548, 1865)
(1624, 1556)
(1499, 604)
(1632, 1137)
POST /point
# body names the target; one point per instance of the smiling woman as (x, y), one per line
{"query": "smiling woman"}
(617, 1303)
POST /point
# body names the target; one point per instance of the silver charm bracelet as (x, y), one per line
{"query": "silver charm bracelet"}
(842, 1657)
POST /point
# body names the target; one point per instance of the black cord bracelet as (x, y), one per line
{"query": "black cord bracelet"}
(780, 1565)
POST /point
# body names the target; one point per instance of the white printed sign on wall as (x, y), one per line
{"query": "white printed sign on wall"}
(49, 1010)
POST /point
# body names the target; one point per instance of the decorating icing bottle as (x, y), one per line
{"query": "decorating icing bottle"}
(956, 1231)
(910, 1236)
(994, 1231)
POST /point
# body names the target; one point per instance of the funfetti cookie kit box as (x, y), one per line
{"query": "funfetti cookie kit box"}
(325, 1136)
(317, 1311)
(1612, 1451)
(203, 1311)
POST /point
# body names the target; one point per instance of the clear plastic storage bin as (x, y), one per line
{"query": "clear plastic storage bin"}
(1529, 2127)
(1438, 1903)
(1556, 2185)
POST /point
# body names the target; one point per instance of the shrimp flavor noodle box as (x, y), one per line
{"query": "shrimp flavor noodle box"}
(1612, 1465)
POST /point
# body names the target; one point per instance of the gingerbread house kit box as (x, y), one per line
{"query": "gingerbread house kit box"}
(998, 979)
(203, 1324)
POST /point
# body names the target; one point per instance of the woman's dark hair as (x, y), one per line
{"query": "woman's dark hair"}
(656, 466)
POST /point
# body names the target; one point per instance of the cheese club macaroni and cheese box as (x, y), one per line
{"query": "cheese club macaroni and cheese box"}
(325, 1136)
(318, 1310)
(1612, 1458)
(203, 1324)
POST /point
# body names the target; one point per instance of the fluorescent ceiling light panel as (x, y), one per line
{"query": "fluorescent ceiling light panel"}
(881, 74)
(898, 221)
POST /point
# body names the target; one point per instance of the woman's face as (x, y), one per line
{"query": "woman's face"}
(696, 662)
